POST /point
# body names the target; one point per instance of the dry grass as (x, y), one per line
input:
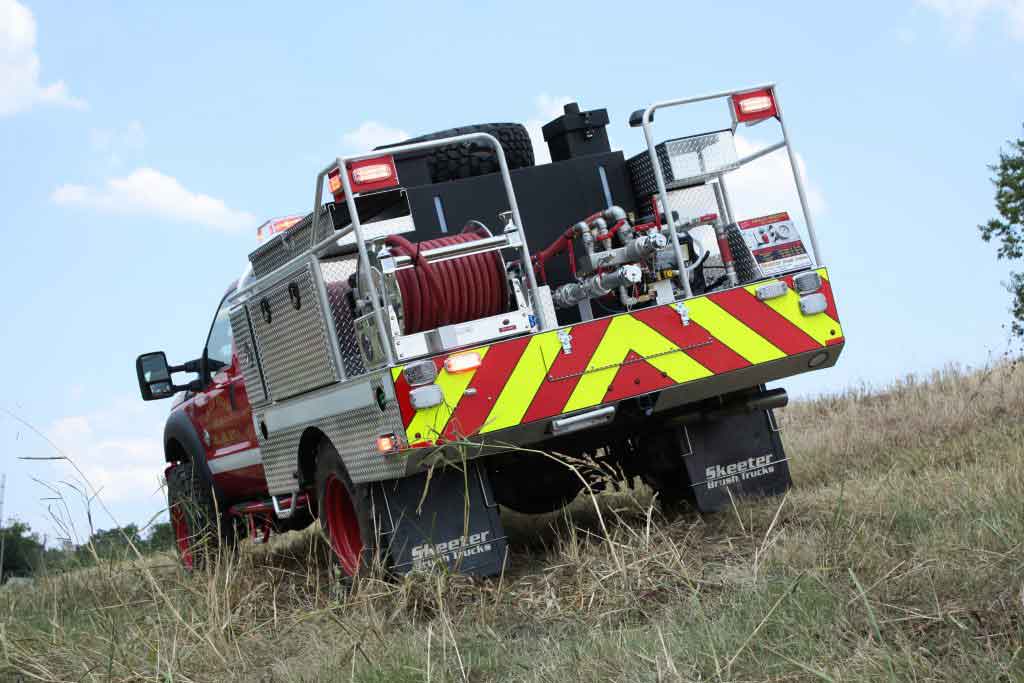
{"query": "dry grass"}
(897, 556)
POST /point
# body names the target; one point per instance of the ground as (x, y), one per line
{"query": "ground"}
(898, 556)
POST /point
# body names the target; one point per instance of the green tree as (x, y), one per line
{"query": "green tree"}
(1008, 228)
(22, 550)
(113, 543)
(161, 537)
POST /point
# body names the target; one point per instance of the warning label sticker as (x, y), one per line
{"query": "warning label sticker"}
(775, 244)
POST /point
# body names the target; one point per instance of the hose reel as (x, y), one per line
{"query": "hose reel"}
(443, 281)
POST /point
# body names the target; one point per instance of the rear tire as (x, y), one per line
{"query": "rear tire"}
(200, 528)
(533, 484)
(468, 160)
(345, 513)
(660, 462)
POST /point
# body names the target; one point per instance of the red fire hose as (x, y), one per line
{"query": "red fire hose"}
(452, 291)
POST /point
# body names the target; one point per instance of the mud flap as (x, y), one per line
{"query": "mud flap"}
(741, 455)
(454, 527)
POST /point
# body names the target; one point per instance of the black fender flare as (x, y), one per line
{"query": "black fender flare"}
(179, 428)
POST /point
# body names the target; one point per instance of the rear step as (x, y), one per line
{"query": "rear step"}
(265, 509)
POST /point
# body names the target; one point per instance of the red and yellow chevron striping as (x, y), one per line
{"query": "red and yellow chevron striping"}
(532, 378)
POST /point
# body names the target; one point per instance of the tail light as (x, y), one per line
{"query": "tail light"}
(462, 362)
(365, 175)
(751, 107)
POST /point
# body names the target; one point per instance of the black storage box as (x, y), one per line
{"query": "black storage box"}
(577, 133)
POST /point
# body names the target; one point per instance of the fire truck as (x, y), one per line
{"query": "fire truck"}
(454, 329)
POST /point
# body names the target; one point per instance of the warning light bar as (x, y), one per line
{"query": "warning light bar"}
(751, 107)
(462, 362)
(365, 175)
(275, 226)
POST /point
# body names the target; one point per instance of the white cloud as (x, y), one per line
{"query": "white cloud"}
(964, 15)
(149, 192)
(121, 468)
(116, 143)
(20, 87)
(766, 185)
(372, 134)
(118, 450)
(547, 107)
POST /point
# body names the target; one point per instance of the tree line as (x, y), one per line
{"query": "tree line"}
(25, 553)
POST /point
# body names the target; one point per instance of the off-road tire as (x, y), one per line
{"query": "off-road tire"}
(329, 468)
(661, 468)
(468, 160)
(533, 484)
(191, 502)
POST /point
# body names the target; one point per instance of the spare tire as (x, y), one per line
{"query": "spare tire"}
(468, 160)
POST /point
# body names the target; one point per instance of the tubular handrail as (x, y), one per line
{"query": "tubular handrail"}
(646, 122)
(341, 163)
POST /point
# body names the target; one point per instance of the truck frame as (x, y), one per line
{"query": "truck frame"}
(400, 392)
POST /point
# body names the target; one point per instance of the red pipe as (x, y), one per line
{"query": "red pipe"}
(611, 232)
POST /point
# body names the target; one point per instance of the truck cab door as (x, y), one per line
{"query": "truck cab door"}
(223, 419)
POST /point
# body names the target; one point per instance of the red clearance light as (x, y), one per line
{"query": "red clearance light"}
(462, 362)
(368, 175)
(751, 107)
(387, 443)
(373, 173)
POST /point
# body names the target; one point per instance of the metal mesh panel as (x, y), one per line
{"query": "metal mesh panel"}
(692, 202)
(247, 357)
(293, 345)
(335, 275)
(701, 155)
(353, 433)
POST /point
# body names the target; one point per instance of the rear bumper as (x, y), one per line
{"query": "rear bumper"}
(684, 352)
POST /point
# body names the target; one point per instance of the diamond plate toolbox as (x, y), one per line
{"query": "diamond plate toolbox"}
(292, 337)
(246, 352)
(292, 242)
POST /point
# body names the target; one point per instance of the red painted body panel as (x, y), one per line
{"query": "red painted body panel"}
(222, 417)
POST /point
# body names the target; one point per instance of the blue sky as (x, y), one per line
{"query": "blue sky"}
(143, 143)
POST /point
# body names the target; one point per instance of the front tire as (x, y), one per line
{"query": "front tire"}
(199, 529)
(345, 513)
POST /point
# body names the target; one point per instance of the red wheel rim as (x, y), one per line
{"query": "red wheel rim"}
(181, 536)
(342, 525)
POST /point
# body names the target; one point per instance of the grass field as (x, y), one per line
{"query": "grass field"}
(898, 556)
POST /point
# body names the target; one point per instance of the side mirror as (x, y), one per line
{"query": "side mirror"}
(154, 376)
